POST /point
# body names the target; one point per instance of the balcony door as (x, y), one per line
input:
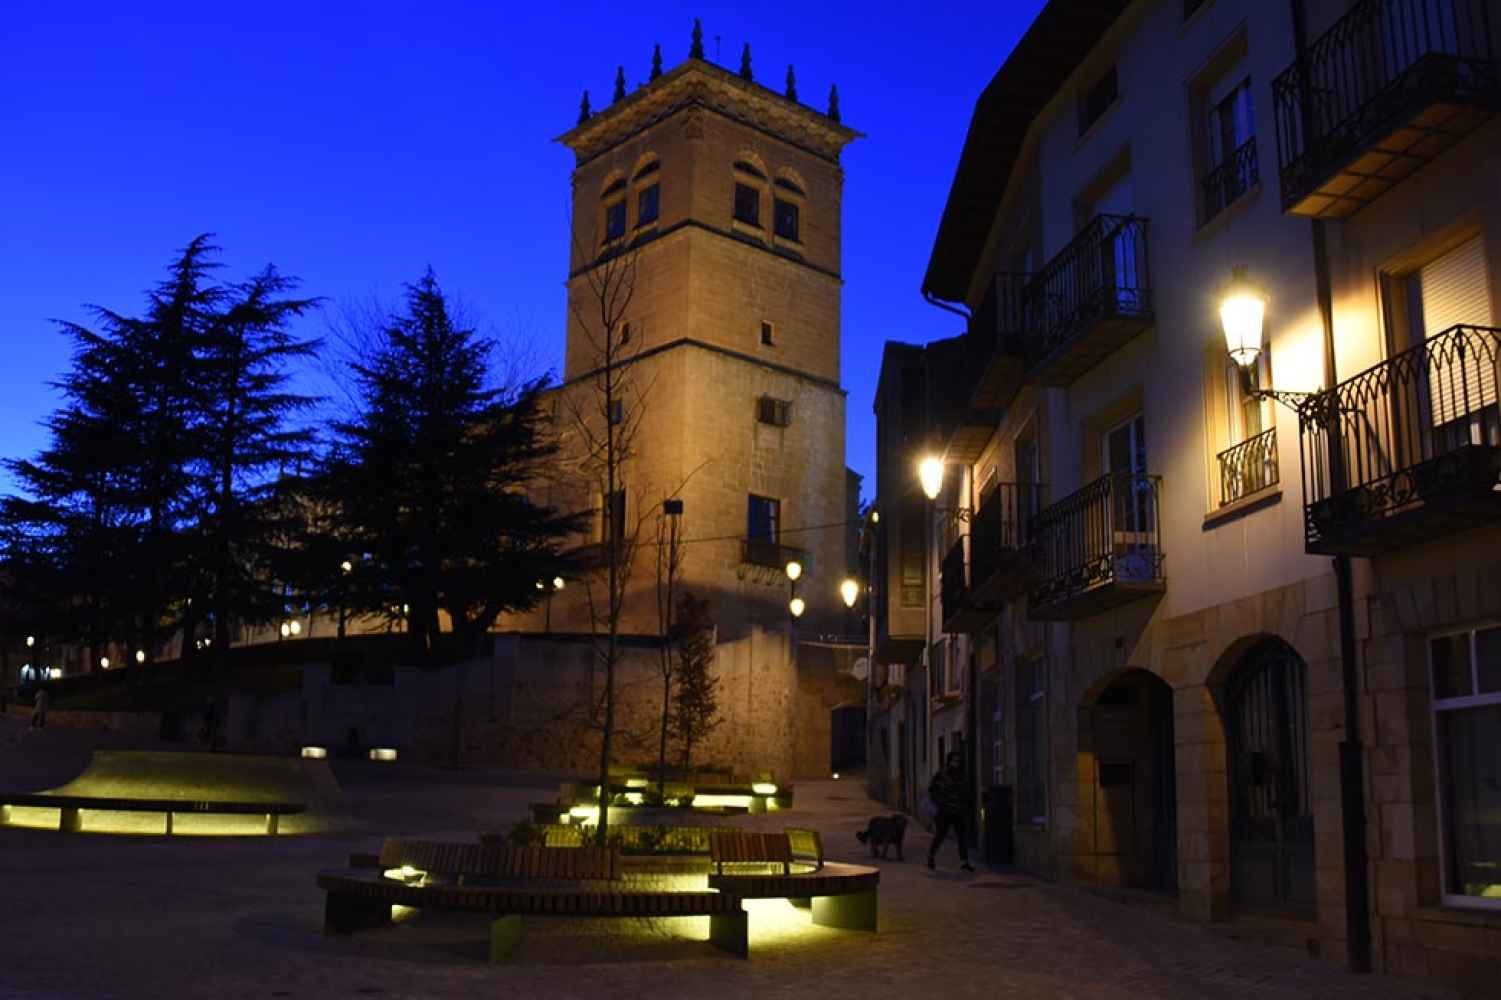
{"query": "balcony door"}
(1133, 513)
(1117, 254)
(1457, 386)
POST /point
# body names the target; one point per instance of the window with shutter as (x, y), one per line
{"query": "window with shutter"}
(1450, 291)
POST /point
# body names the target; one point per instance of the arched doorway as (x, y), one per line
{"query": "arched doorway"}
(1271, 815)
(847, 738)
(1134, 797)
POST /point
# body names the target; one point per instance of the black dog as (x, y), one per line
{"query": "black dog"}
(882, 833)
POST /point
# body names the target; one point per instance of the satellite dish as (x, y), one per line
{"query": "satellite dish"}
(861, 669)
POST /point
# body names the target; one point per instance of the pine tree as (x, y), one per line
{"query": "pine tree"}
(656, 61)
(791, 84)
(619, 84)
(745, 62)
(695, 712)
(429, 478)
(696, 49)
(245, 434)
(833, 102)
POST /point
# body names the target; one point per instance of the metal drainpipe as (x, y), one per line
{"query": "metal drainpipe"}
(1351, 752)
(971, 749)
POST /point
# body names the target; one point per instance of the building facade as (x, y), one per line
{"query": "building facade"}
(704, 284)
(1221, 626)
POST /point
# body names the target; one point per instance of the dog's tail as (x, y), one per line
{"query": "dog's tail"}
(862, 835)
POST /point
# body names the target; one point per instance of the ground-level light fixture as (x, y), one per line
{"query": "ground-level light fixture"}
(347, 566)
(315, 753)
(794, 569)
(140, 656)
(385, 755)
(558, 583)
(30, 641)
(849, 591)
(930, 475)
(103, 663)
(797, 606)
(57, 673)
(1242, 310)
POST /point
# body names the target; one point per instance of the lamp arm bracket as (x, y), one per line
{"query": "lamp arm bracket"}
(1292, 400)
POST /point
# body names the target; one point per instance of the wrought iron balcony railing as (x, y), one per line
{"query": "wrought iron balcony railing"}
(1098, 548)
(1248, 467)
(1408, 450)
(1240, 172)
(1088, 300)
(769, 554)
(998, 565)
(1389, 86)
(1000, 324)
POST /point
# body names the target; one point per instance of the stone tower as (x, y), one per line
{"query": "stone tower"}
(720, 199)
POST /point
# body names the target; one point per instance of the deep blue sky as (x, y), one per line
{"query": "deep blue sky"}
(352, 144)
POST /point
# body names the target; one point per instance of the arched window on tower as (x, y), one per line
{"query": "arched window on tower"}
(613, 203)
(648, 193)
(750, 185)
(787, 209)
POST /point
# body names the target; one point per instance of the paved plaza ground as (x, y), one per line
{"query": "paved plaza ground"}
(97, 916)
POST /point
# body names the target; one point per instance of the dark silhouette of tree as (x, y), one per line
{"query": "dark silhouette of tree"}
(249, 441)
(429, 479)
(695, 710)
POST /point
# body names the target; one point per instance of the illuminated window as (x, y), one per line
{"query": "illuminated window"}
(1466, 673)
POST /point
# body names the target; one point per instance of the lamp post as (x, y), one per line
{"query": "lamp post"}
(1242, 312)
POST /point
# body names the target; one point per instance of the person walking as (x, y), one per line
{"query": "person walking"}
(39, 709)
(950, 795)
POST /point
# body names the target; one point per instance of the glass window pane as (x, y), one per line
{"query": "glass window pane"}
(1468, 739)
(1451, 666)
(615, 221)
(1488, 660)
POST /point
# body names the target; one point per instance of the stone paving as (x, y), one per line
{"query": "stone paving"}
(101, 917)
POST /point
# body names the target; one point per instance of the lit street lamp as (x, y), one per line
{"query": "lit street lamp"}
(1242, 309)
(930, 474)
(103, 663)
(140, 656)
(30, 641)
(794, 569)
(797, 606)
(849, 590)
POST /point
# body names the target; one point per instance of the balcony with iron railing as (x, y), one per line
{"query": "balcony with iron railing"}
(1098, 548)
(999, 566)
(1407, 451)
(766, 553)
(1239, 172)
(1391, 85)
(1088, 301)
(1000, 323)
(1249, 467)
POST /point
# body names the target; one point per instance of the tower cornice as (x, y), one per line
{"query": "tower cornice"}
(700, 83)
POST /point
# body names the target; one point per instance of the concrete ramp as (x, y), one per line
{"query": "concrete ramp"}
(161, 774)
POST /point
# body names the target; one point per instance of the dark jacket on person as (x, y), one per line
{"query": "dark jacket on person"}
(949, 791)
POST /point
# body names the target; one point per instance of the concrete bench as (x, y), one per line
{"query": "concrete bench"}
(509, 883)
(765, 866)
(68, 807)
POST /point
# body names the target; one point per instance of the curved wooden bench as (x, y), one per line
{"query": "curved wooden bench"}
(840, 895)
(509, 883)
(68, 807)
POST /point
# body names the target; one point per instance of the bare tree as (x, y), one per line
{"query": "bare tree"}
(605, 407)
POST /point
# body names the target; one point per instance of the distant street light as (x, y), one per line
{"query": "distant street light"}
(557, 583)
(347, 566)
(103, 663)
(797, 606)
(849, 590)
(140, 656)
(794, 569)
(286, 630)
(30, 641)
